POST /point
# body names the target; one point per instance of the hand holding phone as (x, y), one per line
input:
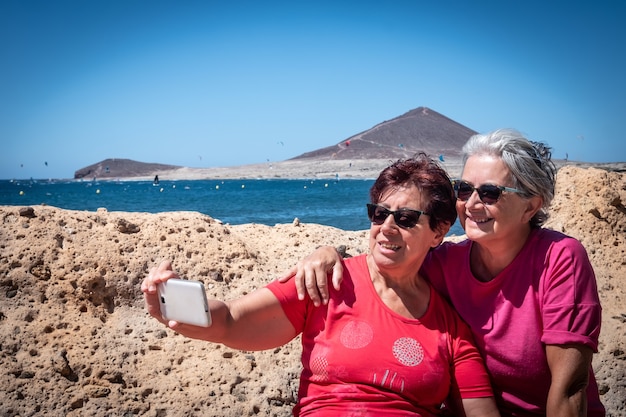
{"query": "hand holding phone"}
(184, 301)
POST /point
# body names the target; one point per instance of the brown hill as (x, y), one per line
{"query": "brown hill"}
(121, 168)
(421, 129)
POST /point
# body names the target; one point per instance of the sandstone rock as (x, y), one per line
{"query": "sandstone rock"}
(75, 338)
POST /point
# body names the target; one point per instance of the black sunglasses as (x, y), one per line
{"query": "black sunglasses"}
(488, 193)
(405, 218)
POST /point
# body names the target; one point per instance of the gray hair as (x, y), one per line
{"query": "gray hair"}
(530, 164)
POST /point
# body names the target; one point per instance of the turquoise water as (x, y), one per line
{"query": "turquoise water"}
(333, 203)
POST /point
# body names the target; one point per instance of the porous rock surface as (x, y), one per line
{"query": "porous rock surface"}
(75, 338)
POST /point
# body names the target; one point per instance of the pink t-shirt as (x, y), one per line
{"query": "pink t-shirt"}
(546, 296)
(361, 358)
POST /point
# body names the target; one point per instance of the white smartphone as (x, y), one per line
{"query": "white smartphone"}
(184, 301)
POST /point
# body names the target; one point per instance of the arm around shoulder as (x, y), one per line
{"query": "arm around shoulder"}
(311, 274)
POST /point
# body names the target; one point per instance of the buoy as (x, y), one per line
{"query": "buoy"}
(98, 191)
(161, 190)
(243, 185)
(21, 192)
(326, 185)
(217, 187)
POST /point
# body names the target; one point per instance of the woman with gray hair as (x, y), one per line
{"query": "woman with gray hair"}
(529, 294)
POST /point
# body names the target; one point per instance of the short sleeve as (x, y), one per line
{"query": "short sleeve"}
(571, 308)
(470, 375)
(295, 309)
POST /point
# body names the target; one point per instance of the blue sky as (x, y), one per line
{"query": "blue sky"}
(202, 84)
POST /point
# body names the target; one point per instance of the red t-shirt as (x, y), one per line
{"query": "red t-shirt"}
(361, 358)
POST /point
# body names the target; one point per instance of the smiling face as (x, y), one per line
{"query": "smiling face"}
(399, 251)
(497, 223)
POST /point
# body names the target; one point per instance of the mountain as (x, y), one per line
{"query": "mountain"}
(118, 168)
(421, 129)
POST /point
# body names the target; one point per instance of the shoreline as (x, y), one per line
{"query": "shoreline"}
(304, 170)
(324, 169)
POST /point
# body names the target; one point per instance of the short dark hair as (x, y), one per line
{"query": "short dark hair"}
(430, 178)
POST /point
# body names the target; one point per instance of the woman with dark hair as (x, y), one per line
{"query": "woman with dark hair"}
(529, 294)
(386, 343)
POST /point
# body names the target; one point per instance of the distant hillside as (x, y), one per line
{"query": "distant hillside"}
(121, 168)
(421, 129)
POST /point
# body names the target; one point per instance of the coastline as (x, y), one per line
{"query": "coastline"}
(326, 169)
(329, 169)
(318, 169)
(302, 169)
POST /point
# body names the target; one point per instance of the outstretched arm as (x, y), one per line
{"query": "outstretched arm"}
(311, 274)
(253, 322)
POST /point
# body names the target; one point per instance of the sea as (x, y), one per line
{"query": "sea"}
(338, 203)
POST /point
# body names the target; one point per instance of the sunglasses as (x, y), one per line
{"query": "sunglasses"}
(488, 193)
(405, 218)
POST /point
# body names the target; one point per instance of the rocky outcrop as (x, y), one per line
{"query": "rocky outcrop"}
(76, 340)
(121, 168)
